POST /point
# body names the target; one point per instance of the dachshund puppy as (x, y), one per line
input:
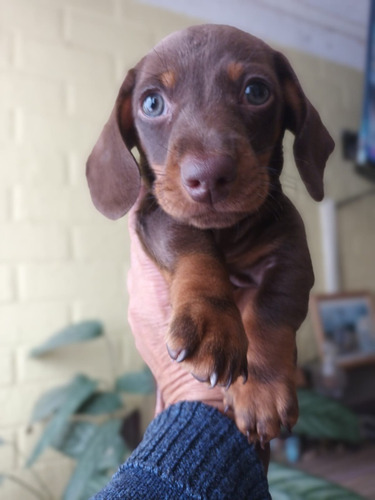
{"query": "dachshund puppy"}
(206, 110)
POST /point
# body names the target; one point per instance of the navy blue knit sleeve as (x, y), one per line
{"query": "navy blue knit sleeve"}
(190, 451)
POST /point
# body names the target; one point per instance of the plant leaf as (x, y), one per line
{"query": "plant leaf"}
(286, 483)
(113, 455)
(87, 465)
(80, 389)
(76, 436)
(324, 418)
(140, 382)
(80, 332)
(101, 403)
(49, 403)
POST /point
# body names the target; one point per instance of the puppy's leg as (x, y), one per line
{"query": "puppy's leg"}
(206, 332)
(271, 313)
(206, 327)
(268, 399)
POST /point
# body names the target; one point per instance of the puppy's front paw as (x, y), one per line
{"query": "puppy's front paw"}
(261, 407)
(209, 338)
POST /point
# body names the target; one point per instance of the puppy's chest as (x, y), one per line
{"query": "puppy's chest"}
(247, 257)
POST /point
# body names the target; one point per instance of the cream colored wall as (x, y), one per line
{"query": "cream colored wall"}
(336, 91)
(61, 64)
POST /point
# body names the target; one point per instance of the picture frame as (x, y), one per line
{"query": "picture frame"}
(345, 323)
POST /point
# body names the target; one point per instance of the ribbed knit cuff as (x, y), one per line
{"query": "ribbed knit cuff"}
(190, 451)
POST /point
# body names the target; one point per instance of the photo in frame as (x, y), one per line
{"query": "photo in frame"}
(345, 322)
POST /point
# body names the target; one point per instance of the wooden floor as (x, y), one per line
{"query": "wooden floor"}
(354, 469)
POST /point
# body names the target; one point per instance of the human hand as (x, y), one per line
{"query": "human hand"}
(149, 312)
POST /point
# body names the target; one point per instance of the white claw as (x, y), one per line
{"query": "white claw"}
(213, 379)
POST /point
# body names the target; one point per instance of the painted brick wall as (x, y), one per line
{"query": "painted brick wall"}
(61, 63)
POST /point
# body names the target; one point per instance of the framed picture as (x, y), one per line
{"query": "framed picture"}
(345, 323)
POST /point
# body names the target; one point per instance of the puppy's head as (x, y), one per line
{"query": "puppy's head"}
(207, 109)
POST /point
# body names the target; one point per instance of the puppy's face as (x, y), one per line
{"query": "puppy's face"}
(207, 108)
(208, 111)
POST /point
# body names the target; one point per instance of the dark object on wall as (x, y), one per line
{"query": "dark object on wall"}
(349, 140)
(130, 429)
(365, 161)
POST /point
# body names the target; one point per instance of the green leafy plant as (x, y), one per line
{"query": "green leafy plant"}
(321, 419)
(325, 418)
(83, 421)
(286, 483)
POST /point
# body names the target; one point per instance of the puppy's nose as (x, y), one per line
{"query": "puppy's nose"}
(208, 180)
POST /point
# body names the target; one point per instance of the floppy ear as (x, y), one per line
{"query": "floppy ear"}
(112, 172)
(312, 144)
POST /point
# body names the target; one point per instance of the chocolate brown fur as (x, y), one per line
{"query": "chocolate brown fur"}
(214, 218)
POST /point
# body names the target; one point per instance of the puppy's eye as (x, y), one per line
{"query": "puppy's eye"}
(257, 93)
(153, 105)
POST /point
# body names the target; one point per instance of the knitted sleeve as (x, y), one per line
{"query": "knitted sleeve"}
(190, 451)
